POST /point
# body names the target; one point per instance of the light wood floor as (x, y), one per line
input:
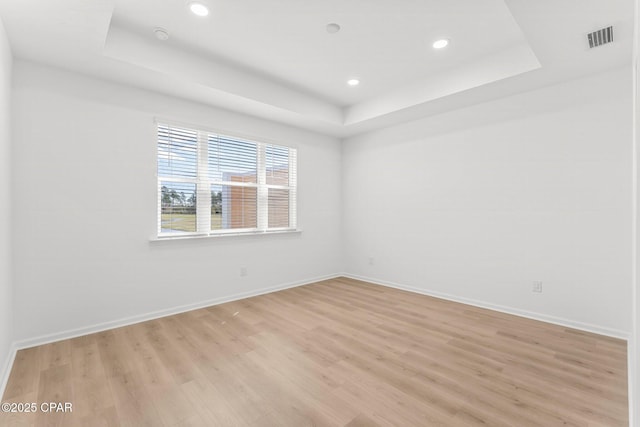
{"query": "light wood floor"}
(335, 353)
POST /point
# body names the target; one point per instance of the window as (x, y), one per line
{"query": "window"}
(211, 184)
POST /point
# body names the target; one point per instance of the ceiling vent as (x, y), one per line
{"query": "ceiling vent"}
(600, 37)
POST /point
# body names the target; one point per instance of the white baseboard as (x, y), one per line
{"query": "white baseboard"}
(73, 333)
(614, 333)
(6, 369)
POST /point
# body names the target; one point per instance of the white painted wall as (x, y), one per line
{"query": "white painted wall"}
(6, 298)
(85, 203)
(478, 203)
(634, 343)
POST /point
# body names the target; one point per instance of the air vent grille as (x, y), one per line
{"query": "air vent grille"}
(600, 37)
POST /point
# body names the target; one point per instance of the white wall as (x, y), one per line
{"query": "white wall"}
(6, 312)
(478, 203)
(634, 343)
(85, 204)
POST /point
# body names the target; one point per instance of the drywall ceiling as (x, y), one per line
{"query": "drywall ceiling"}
(274, 58)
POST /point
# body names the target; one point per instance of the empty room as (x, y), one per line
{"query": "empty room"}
(359, 213)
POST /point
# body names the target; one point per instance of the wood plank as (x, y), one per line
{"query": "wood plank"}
(25, 373)
(55, 386)
(91, 391)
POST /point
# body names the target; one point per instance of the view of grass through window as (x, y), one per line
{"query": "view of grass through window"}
(179, 208)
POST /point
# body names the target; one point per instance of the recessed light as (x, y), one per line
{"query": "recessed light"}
(439, 44)
(161, 33)
(333, 28)
(198, 8)
(353, 82)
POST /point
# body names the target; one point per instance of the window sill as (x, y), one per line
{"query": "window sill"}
(223, 235)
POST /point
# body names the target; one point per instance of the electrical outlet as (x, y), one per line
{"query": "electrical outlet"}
(371, 261)
(537, 287)
(243, 271)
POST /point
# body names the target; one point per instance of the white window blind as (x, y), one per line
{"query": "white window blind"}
(214, 184)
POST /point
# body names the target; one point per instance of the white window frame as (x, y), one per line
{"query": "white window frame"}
(203, 188)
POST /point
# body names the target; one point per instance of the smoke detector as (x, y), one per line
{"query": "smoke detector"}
(600, 37)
